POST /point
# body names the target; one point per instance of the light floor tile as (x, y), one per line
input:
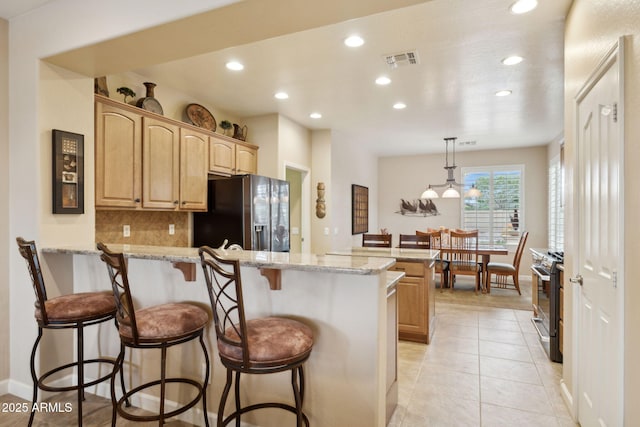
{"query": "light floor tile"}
(458, 385)
(497, 335)
(505, 351)
(515, 395)
(435, 409)
(497, 416)
(509, 370)
(454, 344)
(453, 361)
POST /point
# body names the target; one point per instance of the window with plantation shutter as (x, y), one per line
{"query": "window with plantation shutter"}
(556, 206)
(496, 210)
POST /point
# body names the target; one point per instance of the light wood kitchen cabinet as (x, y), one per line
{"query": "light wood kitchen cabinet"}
(146, 161)
(416, 300)
(246, 159)
(118, 157)
(160, 165)
(231, 158)
(194, 147)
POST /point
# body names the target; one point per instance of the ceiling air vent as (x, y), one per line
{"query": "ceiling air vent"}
(399, 59)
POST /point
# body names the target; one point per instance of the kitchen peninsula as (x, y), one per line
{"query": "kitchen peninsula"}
(416, 290)
(351, 376)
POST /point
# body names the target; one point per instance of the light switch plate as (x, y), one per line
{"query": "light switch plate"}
(126, 230)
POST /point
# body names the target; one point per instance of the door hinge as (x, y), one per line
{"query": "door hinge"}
(615, 112)
(614, 277)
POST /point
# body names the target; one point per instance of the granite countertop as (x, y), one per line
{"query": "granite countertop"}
(362, 264)
(396, 253)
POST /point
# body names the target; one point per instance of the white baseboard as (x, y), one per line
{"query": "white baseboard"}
(4, 387)
(568, 399)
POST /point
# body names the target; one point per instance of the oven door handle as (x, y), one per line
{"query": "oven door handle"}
(543, 277)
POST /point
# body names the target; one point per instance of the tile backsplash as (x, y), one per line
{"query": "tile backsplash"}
(146, 227)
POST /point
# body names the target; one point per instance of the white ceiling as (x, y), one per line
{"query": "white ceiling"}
(460, 44)
(12, 8)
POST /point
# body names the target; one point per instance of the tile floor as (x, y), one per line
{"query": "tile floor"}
(484, 367)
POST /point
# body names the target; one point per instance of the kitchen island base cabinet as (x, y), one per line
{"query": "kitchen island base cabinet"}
(416, 300)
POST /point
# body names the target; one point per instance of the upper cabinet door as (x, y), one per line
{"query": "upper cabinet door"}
(118, 157)
(246, 160)
(194, 147)
(160, 164)
(222, 156)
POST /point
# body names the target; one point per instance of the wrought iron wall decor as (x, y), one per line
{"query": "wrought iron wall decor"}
(418, 207)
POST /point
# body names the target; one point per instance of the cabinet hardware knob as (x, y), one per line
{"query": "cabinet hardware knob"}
(175, 202)
(137, 200)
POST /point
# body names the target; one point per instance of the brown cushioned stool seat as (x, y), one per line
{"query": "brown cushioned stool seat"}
(157, 327)
(73, 311)
(272, 341)
(255, 346)
(75, 307)
(166, 322)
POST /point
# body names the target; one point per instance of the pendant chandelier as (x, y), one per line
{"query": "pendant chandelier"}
(450, 184)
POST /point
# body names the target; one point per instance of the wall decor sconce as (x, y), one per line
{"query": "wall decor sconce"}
(321, 208)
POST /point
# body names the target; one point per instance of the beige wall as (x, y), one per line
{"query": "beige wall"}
(321, 172)
(593, 26)
(350, 164)
(406, 178)
(4, 210)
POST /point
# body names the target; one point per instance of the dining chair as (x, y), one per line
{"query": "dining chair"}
(156, 327)
(376, 240)
(463, 256)
(442, 264)
(264, 345)
(504, 270)
(414, 241)
(71, 311)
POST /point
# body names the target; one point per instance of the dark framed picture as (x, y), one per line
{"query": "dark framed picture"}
(359, 209)
(68, 172)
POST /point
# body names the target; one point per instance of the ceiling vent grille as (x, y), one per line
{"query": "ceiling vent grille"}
(399, 59)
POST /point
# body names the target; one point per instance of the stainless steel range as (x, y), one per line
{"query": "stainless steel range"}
(546, 299)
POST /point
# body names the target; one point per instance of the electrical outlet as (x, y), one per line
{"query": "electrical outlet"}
(172, 229)
(126, 230)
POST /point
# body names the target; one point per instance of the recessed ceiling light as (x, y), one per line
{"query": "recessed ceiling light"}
(523, 6)
(383, 80)
(503, 93)
(399, 105)
(315, 115)
(354, 41)
(512, 60)
(235, 66)
(281, 95)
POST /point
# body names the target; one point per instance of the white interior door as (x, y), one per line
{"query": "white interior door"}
(598, 245)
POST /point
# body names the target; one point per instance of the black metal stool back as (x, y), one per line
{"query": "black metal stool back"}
(240, 346)
(158, 327)
(73, 311)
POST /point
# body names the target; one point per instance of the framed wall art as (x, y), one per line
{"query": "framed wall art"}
(68, 172)
(359, 209)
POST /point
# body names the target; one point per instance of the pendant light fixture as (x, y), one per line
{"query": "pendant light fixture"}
(450, 184)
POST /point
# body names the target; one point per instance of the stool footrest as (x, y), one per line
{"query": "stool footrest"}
(167, 415)
(43, 377)
(256, 406)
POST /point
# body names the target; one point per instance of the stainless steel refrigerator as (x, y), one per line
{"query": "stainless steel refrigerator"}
(249, 210)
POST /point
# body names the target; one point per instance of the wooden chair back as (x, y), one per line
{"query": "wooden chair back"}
(518, 256)
(414, 241)
(376, 240)
(463, 251)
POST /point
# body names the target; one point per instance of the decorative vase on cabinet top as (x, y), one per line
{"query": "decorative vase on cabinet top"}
(149, 103)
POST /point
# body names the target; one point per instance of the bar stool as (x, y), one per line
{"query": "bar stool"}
(73, 311)
(255, 346)
(159, 327)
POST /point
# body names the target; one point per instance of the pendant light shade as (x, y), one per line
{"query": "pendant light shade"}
(450, 192)
(473, 192)
(429, 193)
